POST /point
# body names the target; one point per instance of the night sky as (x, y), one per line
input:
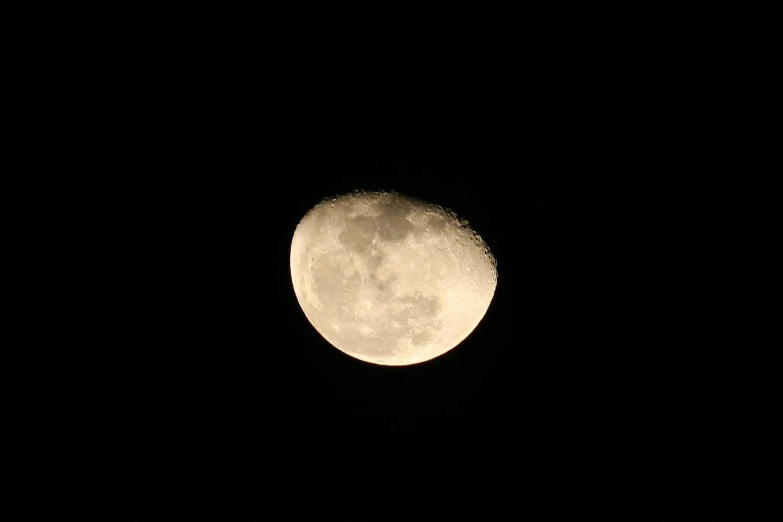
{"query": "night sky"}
(613, 161)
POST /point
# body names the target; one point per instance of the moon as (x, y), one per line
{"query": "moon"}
(389, 279)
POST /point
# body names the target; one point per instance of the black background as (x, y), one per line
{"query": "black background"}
(614, 161)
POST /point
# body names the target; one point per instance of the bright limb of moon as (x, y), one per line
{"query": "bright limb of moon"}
(390, 279)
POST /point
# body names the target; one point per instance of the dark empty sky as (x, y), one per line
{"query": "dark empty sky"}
(161, 159)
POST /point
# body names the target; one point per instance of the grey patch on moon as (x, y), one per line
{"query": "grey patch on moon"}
(389, 279)
(358, 233)
(393, 223)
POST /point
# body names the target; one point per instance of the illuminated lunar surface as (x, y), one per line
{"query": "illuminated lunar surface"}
(389, 279)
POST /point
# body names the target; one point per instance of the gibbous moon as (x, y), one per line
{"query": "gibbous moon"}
(390, 279)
